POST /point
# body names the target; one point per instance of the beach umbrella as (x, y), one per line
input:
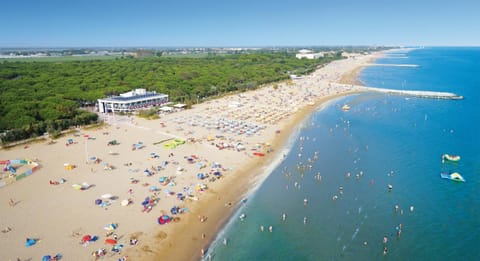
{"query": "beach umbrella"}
(125, 202)
(46, 258)
(77, 187)
(145, 202)
(164, 219)
(30, 242)
(107, 196)
(117, 247)
(110, 226)
(86, 238)
(110, 241)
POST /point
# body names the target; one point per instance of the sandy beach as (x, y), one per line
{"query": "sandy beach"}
(193, 165)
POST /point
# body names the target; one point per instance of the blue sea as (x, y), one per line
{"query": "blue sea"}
(332, 185)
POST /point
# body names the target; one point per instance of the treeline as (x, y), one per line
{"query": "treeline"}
(38, 97)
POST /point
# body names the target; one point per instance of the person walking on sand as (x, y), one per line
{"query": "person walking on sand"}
(11, 202)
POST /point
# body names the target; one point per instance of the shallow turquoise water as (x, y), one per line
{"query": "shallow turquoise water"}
(382, 140)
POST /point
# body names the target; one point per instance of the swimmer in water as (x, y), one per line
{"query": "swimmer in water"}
(284, 216)
(385, 239)
(261, 228)
(270, 228)
(305, 201)
(305, 220)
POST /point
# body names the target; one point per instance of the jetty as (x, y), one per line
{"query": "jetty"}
(393, 65)
(419, 94)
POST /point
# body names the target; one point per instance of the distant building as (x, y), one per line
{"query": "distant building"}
(350, 55)
(132, 101)
(304, 53)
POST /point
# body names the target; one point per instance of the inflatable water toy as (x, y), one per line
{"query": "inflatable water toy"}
(345, 107)
(452, 176)
(448, 157)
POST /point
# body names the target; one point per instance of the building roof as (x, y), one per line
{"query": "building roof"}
(134, 96)
(305, 51)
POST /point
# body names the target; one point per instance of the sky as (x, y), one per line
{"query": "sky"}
(238, 23)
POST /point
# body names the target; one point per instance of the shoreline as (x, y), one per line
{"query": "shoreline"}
(219, 214)
(282, 143)
(181, 240)
(285, 144)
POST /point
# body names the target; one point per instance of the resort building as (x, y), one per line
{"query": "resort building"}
(132, 101)
(304, 53)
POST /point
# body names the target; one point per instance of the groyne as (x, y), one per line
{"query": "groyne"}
(419, 94)
(393, 65)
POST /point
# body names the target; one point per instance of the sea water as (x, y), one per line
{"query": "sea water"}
(333, 185)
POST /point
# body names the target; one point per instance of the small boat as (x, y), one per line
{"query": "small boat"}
(452, 176)
(448, 157)
(345, 107)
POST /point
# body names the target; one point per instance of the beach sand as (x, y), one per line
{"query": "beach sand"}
(222, 135)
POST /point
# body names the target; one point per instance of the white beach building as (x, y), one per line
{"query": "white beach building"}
(132, 101)
(305, 53)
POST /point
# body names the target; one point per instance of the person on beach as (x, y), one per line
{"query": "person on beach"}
(6, 230)
(11, 202)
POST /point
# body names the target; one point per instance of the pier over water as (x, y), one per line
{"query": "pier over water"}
(420, 94)
(393, 65)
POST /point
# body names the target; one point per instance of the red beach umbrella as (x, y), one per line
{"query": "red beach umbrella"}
(86, 238)
(110, 241)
